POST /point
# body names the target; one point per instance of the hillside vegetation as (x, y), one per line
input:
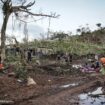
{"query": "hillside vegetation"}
(85, 43)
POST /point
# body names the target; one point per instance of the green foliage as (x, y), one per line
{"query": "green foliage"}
(20, 71)
(12, 58)
(77, 44)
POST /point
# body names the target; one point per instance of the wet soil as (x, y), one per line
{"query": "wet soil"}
(62, 89)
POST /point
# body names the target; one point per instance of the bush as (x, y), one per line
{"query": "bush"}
(20, 71)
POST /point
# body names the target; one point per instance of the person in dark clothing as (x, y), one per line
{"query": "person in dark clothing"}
(29, 57)
(58, 57)
(70, 58)
(66, 57)
(17, 49)
(97, 64)
(92, 64)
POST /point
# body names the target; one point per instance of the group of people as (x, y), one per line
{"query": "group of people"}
(96, 65)
(91, 66)
(28, 53)
(66, 57)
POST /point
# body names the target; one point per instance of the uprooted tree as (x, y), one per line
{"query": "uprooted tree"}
(9, 7)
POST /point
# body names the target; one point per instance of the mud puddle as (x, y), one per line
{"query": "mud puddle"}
(93, 98)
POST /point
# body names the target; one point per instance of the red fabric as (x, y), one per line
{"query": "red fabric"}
(1, 66)
(102, 60)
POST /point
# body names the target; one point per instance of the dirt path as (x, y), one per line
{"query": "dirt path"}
(64, 97)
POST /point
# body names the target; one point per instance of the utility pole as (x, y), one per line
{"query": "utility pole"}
(26, 32)
(48, 33)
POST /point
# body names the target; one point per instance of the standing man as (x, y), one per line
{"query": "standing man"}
(29, 57)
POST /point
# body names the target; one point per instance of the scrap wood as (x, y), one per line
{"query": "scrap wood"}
(96, 95)
(6, 102)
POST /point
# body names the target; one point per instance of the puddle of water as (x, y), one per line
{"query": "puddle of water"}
(68, 85)
(85, 99)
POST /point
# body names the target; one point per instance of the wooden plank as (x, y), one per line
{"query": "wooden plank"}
(6, 102)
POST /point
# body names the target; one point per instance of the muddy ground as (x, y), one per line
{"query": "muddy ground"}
(52, 88)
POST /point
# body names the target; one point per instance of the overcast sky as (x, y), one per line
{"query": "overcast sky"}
(73, 13)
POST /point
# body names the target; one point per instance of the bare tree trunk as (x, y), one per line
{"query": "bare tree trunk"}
(3, 36)
(8, 9)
